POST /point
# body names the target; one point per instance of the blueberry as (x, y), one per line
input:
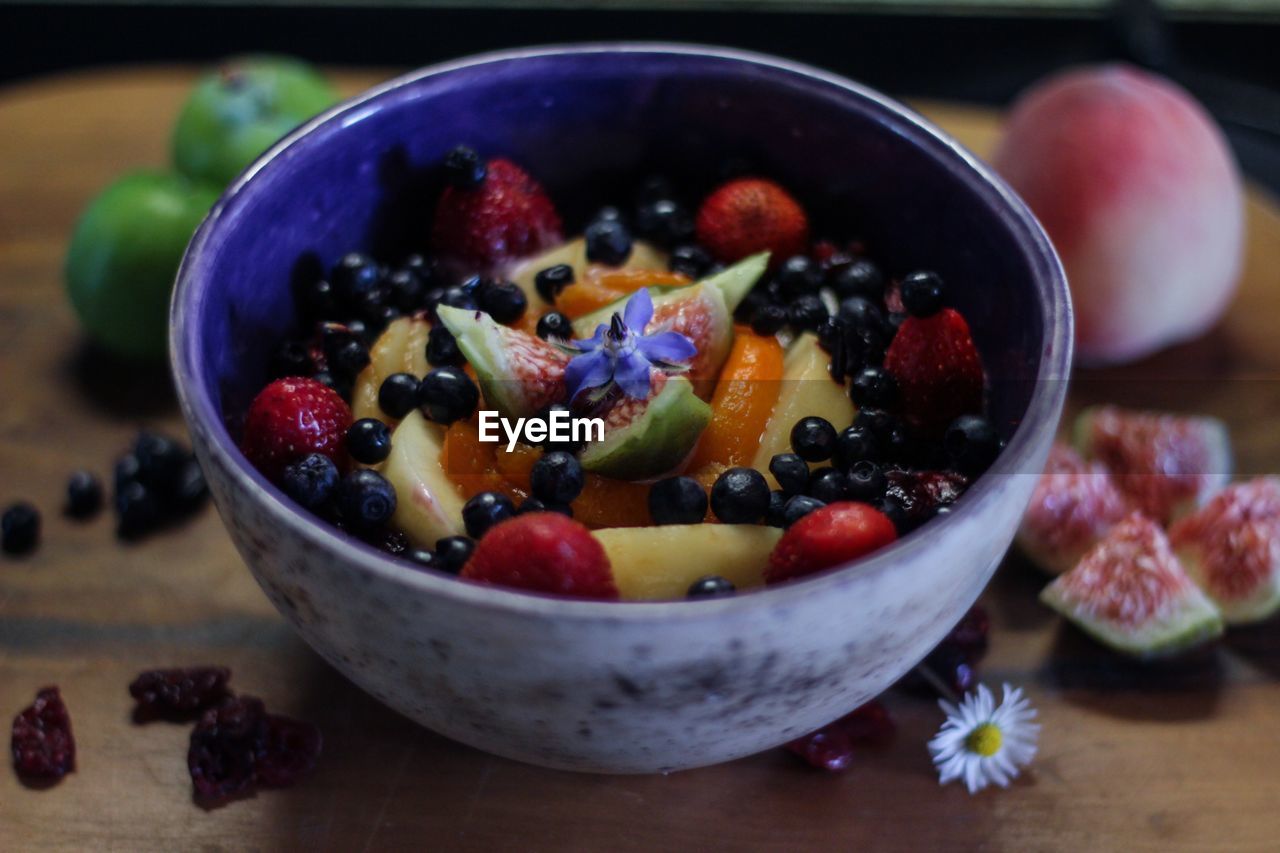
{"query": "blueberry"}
(807, 312)
(366, 499)
(866, 481)
(690, 260)
(463, 168)
(874, 387)
(568, 445)
(84, 495)
(484, 511)
(458, 296)
(813, 438)
(342, 386)
(775, 515)
(608, 242)
(446, 394)
(405, 290)
(855, 444)
(971, 444)
(535, 505)
(318, 301)
(398, 395)
(369, 441)
(860, 278)
(861, 317)
(550, 281)
(608, 213)
(160, 461)
(421, 558)
(677, 500)
(126, 470)
(348, 358)
(422, 267)
(504, 301)
(554, 325)
(442, 348)
(876, 421)
(740, 496)
(136, 509)
(19, 528)
(891, 507)
(664, 221)
(191, 489)
(452, 553)
(354, 276)
(798, 507)
(830, 334)
(711, 586)
(768, 319)
(556, 478)
(791, 472)
(291, 358)
(922, 294)
(798, 276)
(311, 481)
(828, 485)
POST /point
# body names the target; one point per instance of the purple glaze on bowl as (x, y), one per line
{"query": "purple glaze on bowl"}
(632, 687)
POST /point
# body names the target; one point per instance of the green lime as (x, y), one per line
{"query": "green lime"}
(240, 109)
(124, 255)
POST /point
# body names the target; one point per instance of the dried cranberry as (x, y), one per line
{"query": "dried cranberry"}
(225, 748)
(920, 493)
(971, 632)
(292, 749)
(869, 723)
(829, 748)
(43, 746)
(180, 691)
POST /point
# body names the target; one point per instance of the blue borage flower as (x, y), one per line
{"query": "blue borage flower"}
(621, 354)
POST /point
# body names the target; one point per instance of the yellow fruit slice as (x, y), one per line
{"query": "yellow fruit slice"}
(574, 253)
(401, 348)
(807, 389)
(428, 503)
(655, 563)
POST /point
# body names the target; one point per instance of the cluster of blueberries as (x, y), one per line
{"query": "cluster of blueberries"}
(157, 482)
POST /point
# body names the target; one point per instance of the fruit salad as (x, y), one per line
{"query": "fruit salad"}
(692, 396)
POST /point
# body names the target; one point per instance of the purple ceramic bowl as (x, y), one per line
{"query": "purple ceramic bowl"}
(631, 687)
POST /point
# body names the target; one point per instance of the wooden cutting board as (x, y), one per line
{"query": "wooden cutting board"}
(1181, 756)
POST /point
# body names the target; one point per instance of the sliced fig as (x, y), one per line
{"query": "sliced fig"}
(645, 438)
(1167, 465)
(702, 312)
(1074, 504)
(1231, 549)
(1131, 593)
(520, 374)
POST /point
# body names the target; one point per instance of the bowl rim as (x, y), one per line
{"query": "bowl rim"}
(1041, 413)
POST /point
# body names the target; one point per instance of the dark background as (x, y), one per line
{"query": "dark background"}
(1232, 64)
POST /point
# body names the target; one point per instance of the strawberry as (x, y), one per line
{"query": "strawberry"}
(750, 215)
(829, 536)
(937, 368)
(543, 552)
(291, 418)
(507, 216)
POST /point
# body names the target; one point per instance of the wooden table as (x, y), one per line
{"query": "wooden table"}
(1181, 756)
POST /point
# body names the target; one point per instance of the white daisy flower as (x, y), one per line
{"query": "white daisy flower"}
(982, 742)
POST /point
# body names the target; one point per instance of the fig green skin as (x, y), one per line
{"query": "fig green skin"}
(239, 110)
(655, 442)
(124, 256)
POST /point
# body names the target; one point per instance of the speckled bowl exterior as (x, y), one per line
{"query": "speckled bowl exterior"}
(633, 687)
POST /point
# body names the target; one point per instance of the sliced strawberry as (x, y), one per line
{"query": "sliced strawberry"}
(543, 552)
(507, 216)
(937, 368)
(292, 418)
(751, 215)
(834, 534)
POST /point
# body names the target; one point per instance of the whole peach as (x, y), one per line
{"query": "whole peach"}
(1138, 191)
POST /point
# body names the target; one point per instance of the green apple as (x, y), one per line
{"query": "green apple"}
(124, 255)
(240, 109)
